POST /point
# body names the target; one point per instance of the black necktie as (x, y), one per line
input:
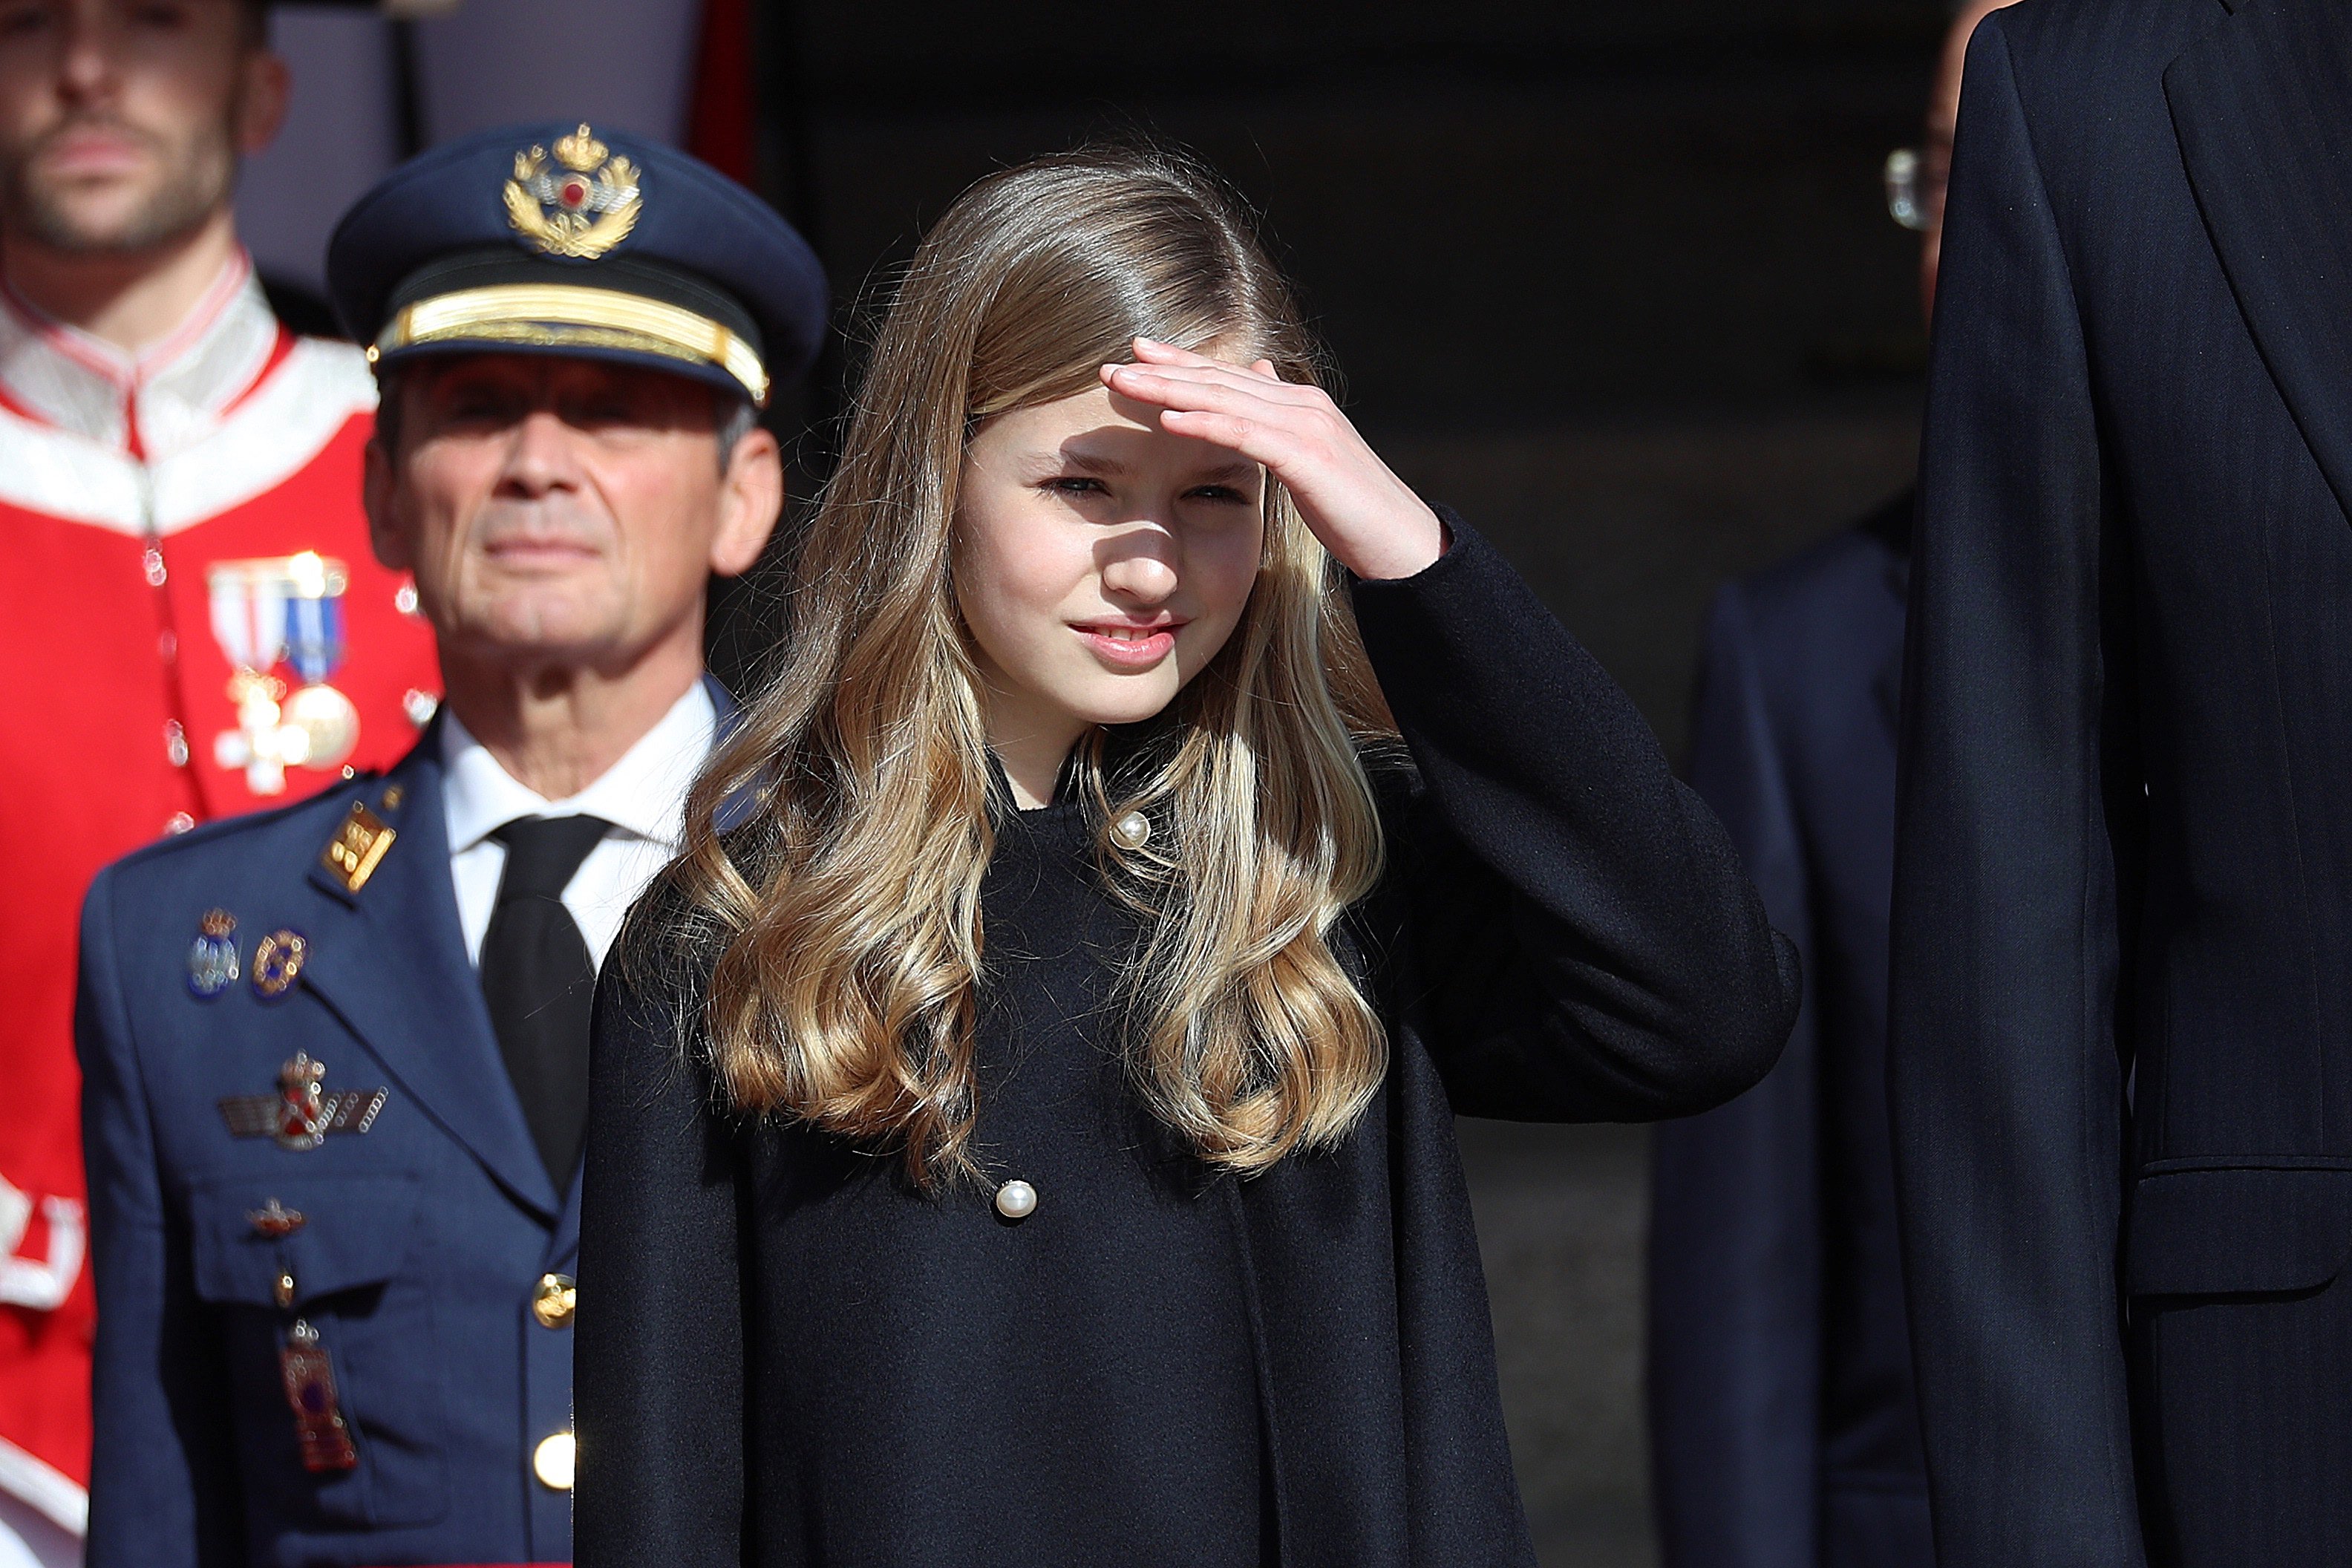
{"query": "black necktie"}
(539, 983)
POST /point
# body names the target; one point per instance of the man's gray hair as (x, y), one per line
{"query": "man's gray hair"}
(737, 419)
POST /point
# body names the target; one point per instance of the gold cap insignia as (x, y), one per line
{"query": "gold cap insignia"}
(358, 846)
(581, 204)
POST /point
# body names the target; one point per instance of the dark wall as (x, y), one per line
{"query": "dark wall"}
(1500, 211)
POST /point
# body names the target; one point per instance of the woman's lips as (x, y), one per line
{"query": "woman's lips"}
(1129, 648)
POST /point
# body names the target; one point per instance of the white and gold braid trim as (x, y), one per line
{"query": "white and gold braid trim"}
(568, 315)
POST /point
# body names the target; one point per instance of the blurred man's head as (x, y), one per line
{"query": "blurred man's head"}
(1936, 157)
(565, 513)
(122, 122)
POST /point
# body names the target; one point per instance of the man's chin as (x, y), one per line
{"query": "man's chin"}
(106, 217)
(533, 636)
(97, 224)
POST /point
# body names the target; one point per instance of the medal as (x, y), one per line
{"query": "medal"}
(275, 1220)
(302, 1114)
(278, 963)
(309, 1379)
(286, 611)
(211, 957)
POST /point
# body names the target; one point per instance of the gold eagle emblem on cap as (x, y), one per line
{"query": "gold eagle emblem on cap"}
(581, 204)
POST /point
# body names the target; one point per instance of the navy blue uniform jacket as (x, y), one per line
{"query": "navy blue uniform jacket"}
(2122, 1061)
(422, 1241)
(1784, 1426)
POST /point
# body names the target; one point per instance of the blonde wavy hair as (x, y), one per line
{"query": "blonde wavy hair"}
(834, 847)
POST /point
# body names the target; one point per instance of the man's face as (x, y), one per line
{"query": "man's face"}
(122, 121)
(564, 513)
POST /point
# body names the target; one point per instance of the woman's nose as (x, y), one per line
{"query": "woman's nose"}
(1142, 565)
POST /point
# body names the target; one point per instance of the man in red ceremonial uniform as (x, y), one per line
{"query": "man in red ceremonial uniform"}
(199, 625)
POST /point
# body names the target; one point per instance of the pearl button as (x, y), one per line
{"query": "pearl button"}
(1016, 1200)
(552, 1462)
(1132, 831)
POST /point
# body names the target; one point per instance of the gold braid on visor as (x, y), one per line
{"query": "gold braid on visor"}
(566, 315)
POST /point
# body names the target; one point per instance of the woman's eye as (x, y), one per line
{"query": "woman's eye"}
(1075, 485)
(1222, 493)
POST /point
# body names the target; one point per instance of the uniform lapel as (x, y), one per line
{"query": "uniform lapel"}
(2264, 113)
(394, 965)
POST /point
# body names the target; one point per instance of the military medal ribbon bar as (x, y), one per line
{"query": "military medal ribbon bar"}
(310, 1378)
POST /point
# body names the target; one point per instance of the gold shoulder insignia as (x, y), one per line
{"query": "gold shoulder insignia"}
(358, 847)
(581, 206)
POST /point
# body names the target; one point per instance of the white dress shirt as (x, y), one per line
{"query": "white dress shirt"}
(643, 795)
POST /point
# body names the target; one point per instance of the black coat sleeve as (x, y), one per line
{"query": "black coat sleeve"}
(1735, 1245)
(659, 1359)
(2006, 1074)
(1584, 945)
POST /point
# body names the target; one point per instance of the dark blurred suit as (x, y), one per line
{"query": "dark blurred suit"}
(2123, 941)
(1784, 1429)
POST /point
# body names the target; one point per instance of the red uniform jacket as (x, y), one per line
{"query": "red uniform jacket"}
(184, 566)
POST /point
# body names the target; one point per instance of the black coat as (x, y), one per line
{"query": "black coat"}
(1783, 1421)
(1565, 934)
(2121, 1070)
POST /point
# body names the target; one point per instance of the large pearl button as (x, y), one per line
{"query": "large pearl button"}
(1016, 1200)
(552, 1461)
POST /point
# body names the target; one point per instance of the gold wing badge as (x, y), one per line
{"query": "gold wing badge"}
(303, 1111)
(582, 204)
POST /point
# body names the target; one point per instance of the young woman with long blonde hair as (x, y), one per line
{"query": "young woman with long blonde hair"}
(1022, 1123)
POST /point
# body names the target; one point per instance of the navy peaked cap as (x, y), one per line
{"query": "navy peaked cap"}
(564, 240)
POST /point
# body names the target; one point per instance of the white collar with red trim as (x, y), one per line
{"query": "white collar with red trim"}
(154, 404)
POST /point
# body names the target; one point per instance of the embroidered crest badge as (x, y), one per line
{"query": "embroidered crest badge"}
(211, 957)
(581, 203)
(302, 1112)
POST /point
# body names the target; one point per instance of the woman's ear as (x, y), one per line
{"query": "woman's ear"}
(751, 501)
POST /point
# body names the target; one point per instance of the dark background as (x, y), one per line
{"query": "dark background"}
(1615, 280)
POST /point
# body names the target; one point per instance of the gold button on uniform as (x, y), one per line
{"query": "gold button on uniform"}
(555, 1300)
(552, 1462)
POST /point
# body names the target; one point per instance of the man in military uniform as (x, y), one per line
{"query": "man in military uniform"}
(336, 1055)
(184, 575)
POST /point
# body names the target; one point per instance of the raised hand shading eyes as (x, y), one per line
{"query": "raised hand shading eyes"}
(1366, 516)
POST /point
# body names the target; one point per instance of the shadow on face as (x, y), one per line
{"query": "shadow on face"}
(122, 121)
(1100, 563)
(563, 513)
